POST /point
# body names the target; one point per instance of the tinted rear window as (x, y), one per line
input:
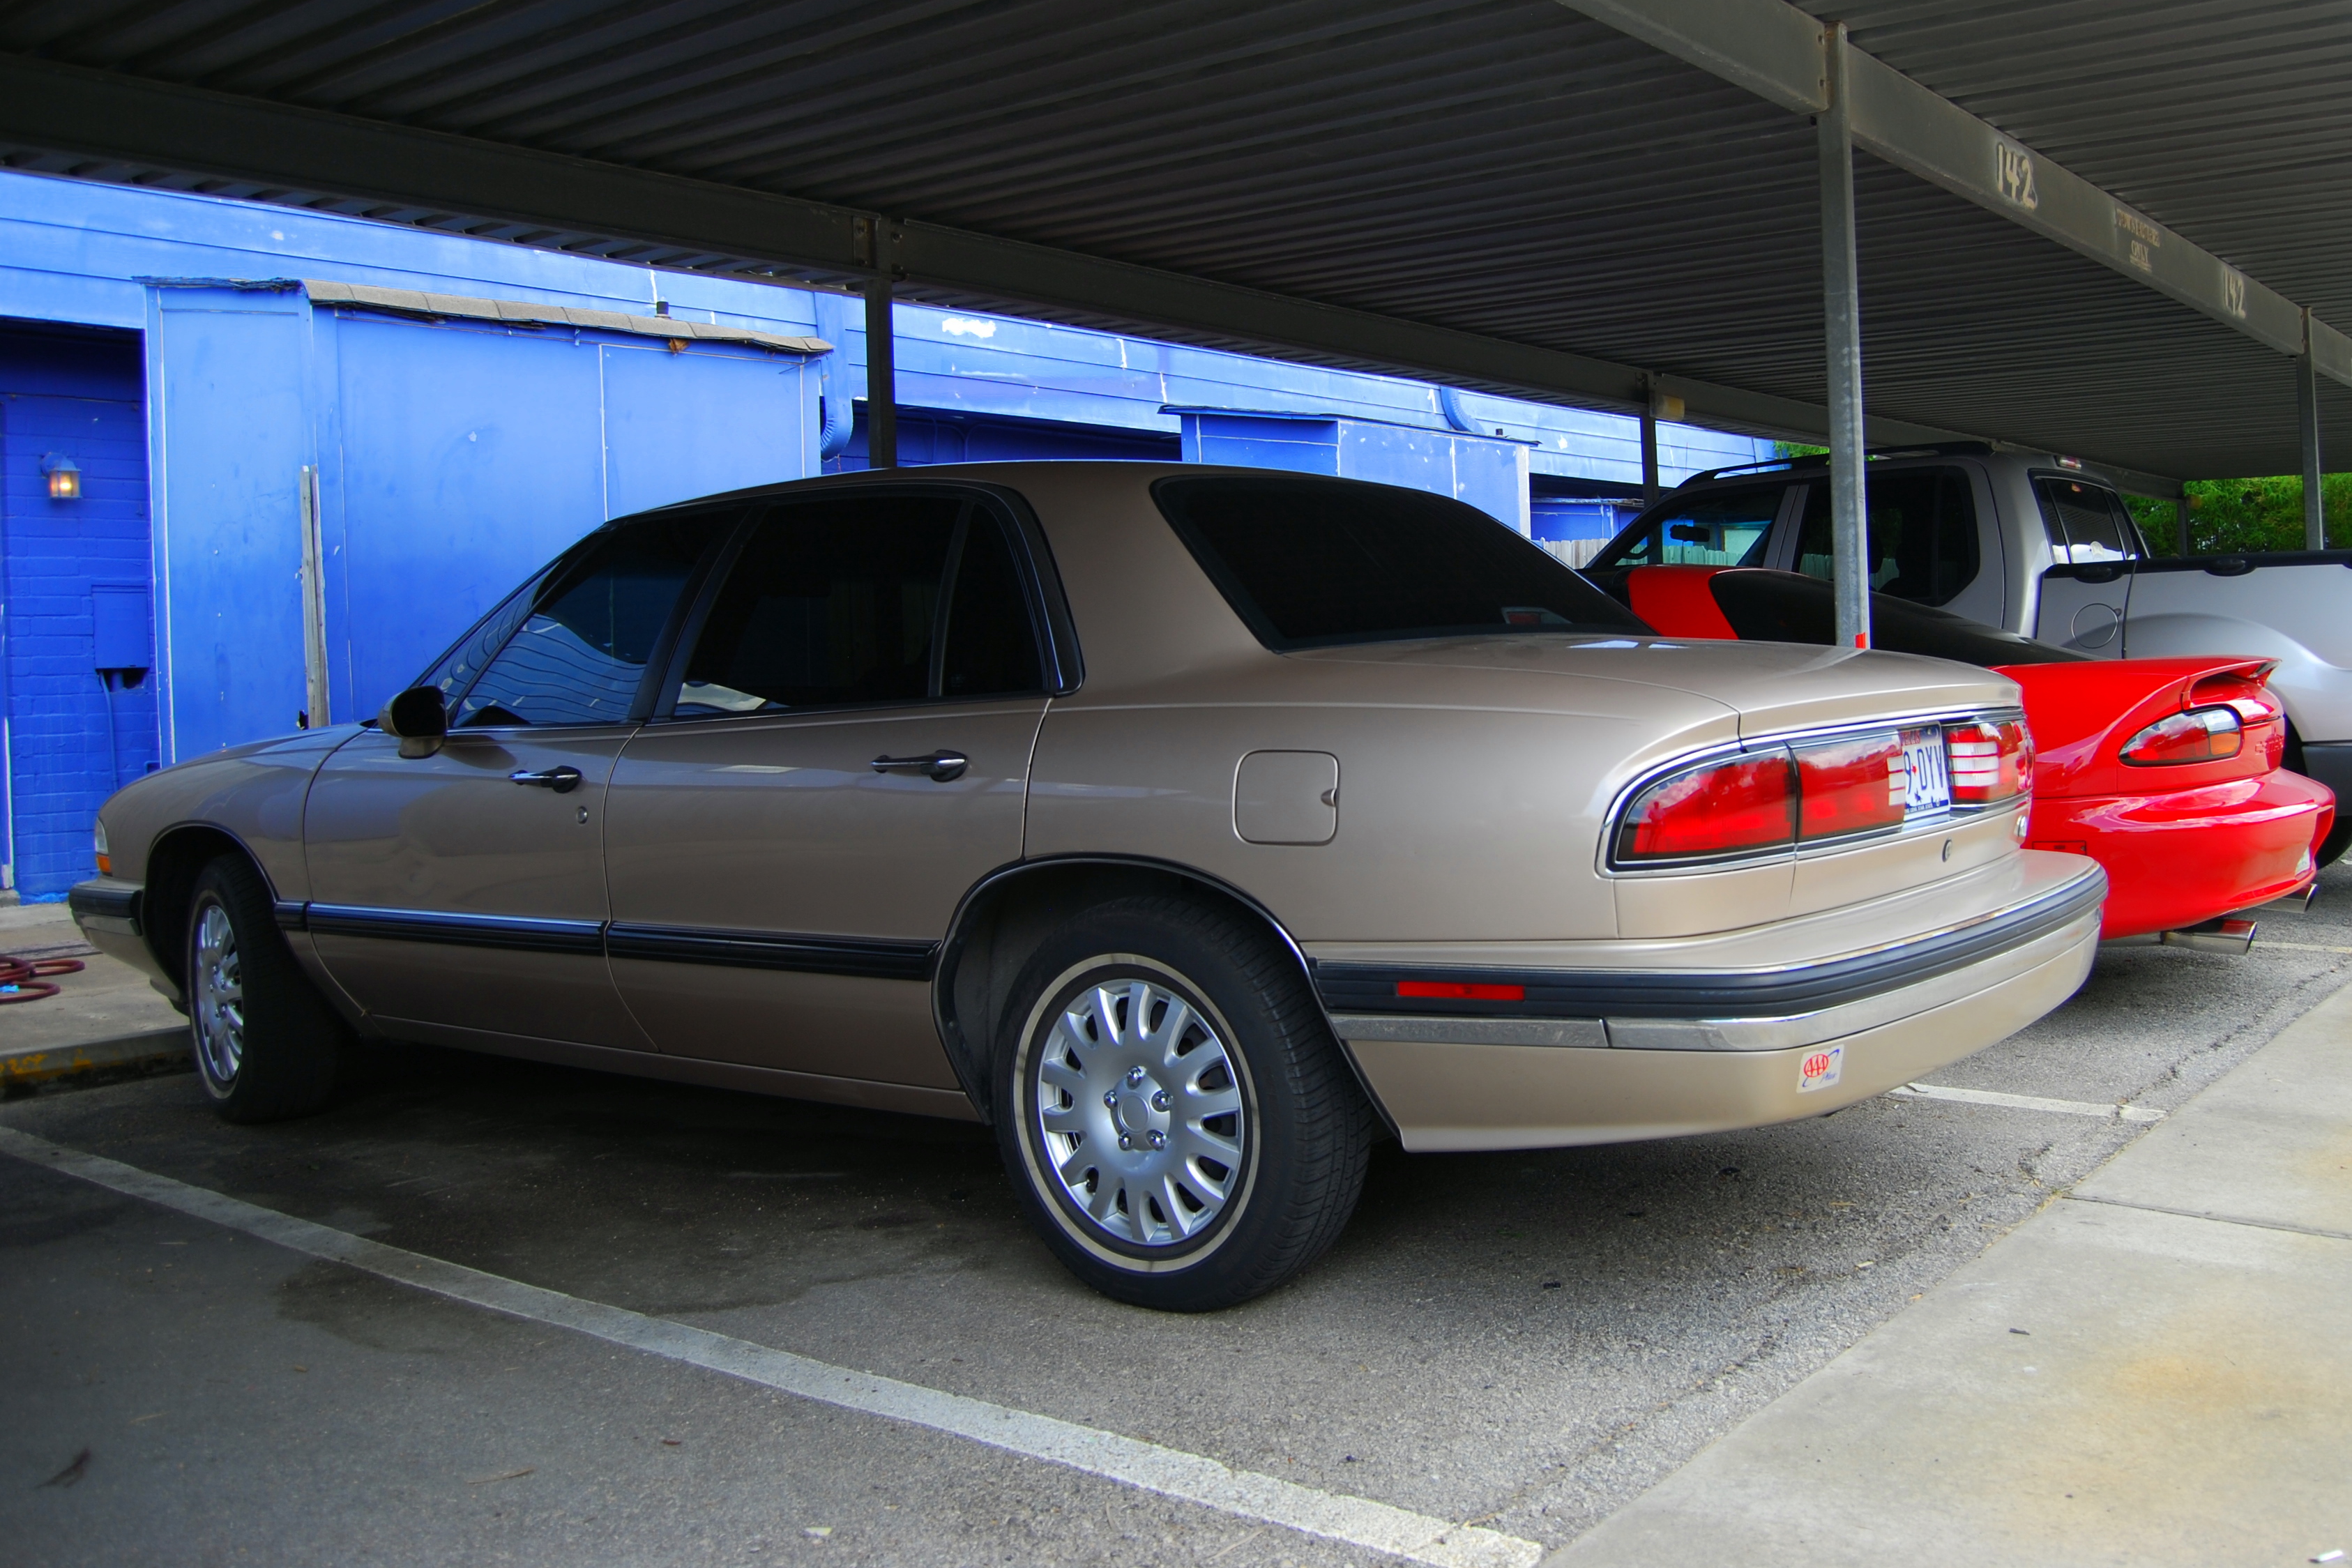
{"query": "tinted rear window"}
(1312, 563)
(1784, 607)
(2086, 522)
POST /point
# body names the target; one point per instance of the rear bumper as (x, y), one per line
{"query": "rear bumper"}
(1524, 1081)
(2181, 858)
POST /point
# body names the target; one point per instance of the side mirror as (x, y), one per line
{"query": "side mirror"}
(418, 718)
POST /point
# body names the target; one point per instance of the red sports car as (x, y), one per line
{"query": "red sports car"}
(2166, 771)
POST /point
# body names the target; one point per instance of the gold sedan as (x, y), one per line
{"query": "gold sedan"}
(1193, 827)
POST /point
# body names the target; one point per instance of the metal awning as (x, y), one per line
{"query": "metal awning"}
(1512, 195)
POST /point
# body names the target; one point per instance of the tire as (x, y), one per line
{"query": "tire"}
(2339, 832)
(1247, 1082)
(266, 1042)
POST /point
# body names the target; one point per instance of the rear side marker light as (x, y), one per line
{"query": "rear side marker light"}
(1450, 991)
(1851, 786)
(2201, 735)
(1990, 760)
(1739, 804)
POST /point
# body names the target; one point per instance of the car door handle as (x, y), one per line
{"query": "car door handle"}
(563, 781)
(939, 765)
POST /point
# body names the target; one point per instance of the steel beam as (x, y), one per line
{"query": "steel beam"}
(123, 126)
(1761, 45)
(1841, 322)
(2307, 419)
(881, 345)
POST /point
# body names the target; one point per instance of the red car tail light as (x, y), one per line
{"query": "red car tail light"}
(2201, 735)
(1992, 761)
(1724, 808)
(1850, 785)
(2251, 700)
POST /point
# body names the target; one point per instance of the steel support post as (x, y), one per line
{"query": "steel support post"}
(1841, 309)
(2307, 419)
(2181, 524)
(1650, 486)
(881, 374)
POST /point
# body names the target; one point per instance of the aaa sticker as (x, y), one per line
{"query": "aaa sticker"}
(1819, 1070)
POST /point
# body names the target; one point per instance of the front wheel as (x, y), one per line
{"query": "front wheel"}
(1176, 1116)
(265, 1041)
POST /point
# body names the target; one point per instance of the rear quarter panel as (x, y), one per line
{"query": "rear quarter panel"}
(2300, 615)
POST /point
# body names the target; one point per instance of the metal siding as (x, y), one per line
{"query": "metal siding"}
(469, 456)
(700, 422)
(237, 437)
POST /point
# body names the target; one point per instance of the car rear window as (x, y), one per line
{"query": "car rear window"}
(2086, 522)
(1313, 562)
(1713, 528)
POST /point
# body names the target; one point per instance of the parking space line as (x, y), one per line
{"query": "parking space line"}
(2266, 944)
(2110, 1112)
(1170, 1472)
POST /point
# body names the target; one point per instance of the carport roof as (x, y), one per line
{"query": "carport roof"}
(1506, 194)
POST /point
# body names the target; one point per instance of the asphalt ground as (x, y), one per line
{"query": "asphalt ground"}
(1524, 1342)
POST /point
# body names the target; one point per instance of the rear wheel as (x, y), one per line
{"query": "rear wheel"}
(2339, 832)
(1176, 1116)
(265, 1041)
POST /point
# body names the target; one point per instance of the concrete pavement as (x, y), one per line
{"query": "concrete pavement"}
(2154, 1369)
(106, 1017)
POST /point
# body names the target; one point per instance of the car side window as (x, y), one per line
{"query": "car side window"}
(2086, 522)
(1922, 530)
(582, 632)
(1713, 527)
(851, 601)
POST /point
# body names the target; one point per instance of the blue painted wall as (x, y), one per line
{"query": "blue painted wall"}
(71, 737)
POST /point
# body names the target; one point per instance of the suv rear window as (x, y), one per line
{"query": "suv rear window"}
(2086, 522)
(1922, 529)
(1314, 562)
(1713, 527)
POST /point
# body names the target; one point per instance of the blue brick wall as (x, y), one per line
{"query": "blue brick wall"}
(78, 392)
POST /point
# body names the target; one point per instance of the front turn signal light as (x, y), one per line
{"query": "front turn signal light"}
(2201, 735)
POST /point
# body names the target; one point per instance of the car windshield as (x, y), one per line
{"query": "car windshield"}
(1713, 527)
(1313, 562)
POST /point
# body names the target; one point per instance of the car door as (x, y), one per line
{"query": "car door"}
(462, 894)
(2085, 597)
(842, 754)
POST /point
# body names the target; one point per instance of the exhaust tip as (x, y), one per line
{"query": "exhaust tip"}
(2227, 934)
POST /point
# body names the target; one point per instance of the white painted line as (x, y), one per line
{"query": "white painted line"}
(2027, 1103)
(2266, 944)
(1357, 1522)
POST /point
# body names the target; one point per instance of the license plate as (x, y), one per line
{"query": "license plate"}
(1927, 775)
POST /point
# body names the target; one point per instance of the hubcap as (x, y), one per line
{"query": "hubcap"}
(219, 1012)
(1139, 1113)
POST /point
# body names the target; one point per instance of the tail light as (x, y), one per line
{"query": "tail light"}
(2201, 735)
(1724, 808)
(1850, 785)
(1992, 761)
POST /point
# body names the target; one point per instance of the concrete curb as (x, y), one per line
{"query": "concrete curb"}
(43, 1064)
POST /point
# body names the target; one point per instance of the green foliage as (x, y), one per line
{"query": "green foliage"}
(1798, 449)
(2228, 516)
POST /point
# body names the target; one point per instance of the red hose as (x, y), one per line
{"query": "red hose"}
(19, 981)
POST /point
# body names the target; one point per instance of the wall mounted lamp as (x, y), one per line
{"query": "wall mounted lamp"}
(64, 476)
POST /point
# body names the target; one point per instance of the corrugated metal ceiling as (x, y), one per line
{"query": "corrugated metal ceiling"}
(1506, 167)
